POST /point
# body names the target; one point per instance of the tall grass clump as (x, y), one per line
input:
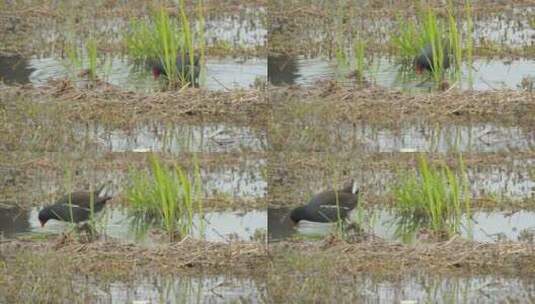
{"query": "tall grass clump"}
(73, 56)
(435, 197)
(168, 43)
(168, 196)
(469, 39)
(408, 40)
(433, 32)
(360, 49)
(428, 30)
(163, 40)
(83, 58)
(91, 49)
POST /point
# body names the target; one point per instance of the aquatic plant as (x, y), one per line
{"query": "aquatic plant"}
(469, 41)
(434, 197)
(168, 195)
(445, 40)
(74, 58)
(433, 31)
(163, 40)
(83, 56)
(91, 49)
(359, 48)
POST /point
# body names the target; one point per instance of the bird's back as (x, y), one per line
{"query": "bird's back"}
(327, 206)
(83, 200)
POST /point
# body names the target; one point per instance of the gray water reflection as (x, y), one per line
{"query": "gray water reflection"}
(482, 75)
(221, 74)
(481, 227)
(117, 224)
(176, 138)
(177, 289)
(418, 136)
(423, 287)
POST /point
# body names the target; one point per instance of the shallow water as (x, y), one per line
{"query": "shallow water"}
(175, 138)
(115, 223)
(178, 289)
(435, 288)
(483, 74)
(315, 134)
(221, 74)
(482, 227)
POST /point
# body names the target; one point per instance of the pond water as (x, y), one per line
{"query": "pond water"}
(175, 138)
(116, 223)
(221, 74)
(481, 227)
(482, 75)
(311, 133)
(178, 289)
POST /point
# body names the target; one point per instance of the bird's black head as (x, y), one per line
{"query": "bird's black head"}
(297, 214)
(45, 215)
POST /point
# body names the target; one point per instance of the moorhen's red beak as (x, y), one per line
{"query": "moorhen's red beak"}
(419, 69)
(155, 73)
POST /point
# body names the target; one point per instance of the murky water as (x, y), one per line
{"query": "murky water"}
(117, 224)
(422, 287)
(221, 74)
(418, 136)
(482, 75)
(247, 29)
(510, 28)
(175, 138)
(481, 227)
(177, 289)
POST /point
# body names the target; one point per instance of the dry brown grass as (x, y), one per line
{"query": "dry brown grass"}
(452, 255)
(87, 258)
(379, 104)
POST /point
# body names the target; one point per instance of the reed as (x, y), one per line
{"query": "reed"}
(91, 49)
(359, 48)
(435, 197)
(168, 195)
(163, 40)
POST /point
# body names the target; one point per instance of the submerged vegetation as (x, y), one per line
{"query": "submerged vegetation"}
(167, 196)
(435, 197)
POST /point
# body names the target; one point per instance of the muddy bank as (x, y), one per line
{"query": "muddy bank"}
(329, 100)
(375, 272)
(89, 267)
(110, 104)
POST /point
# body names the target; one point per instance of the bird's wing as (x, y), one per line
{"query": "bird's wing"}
(69, 212)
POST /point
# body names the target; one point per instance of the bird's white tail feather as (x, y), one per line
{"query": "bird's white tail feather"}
(355, 188)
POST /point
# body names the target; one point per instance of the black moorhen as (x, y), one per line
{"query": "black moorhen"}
(77, 204)
(424, 60)
(328, 206)
(158, 68)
